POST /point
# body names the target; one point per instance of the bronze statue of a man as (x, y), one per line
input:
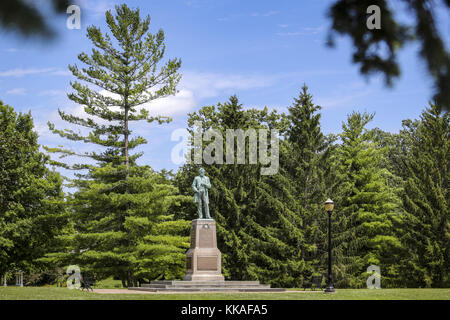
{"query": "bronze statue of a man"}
(200, 186)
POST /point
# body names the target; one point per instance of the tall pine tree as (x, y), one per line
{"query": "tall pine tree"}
(120, 209)
(426, 233)
(367, 208)
(306, 163)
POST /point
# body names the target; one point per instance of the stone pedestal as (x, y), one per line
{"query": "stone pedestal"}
(203, 259)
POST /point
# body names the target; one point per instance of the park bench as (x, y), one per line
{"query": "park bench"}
(87, 283)
(315, 282)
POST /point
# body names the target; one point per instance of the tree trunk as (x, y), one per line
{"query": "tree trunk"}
(130, 279)
(127, 162)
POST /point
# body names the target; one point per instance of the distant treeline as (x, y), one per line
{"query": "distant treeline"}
(390, 192)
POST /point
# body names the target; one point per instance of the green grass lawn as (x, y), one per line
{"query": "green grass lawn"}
(53, 293)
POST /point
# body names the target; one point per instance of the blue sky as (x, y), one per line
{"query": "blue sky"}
(263, 51)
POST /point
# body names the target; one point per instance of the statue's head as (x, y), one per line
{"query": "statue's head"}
(201, 172)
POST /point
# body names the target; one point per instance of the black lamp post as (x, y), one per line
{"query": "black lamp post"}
(329, 205)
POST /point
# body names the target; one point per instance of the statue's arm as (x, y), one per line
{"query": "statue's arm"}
(194, 185)
(208, 184)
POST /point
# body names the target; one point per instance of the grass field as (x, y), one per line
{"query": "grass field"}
(53, 293)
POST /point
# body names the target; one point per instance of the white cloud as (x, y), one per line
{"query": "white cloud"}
(16, 91)
(245, 15)
(231, 17)
(195, 86)
(314, 30)
(60, 72)
(207, 85)
(19, 72)
(41, 129)
(303, 32)
(193, 89)
(266, 14)
(97, 7)
(341, 100)
(181, 103)
(346, 95)
(52, 93)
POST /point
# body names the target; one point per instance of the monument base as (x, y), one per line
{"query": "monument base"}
(203, 259)
(206, 286)
(204, 267)
(203, 277)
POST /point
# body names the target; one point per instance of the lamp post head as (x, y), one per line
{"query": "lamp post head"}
(329, 205)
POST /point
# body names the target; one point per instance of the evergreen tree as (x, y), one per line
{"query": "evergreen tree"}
(31, 198)
(367, 208)
(306, 163)
(395, 146)
(426, 232)
(120, 210)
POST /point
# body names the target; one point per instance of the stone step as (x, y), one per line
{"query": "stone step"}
(201, 283)
(206, 289)
(219, 286)
(154, 285)
(205, 286)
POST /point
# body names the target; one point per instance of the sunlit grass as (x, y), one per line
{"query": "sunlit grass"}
(49, 293)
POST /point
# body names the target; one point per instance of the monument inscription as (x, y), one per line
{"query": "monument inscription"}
(206, 239)
(207, 263)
